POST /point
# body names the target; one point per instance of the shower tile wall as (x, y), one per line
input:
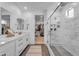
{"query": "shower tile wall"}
(67, 35)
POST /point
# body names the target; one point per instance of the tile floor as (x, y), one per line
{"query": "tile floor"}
(60, 51)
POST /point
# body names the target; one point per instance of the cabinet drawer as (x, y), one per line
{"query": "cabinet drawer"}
(20, 45)
(19, 40)
(8, 49)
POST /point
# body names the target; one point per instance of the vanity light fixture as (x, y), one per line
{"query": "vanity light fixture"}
(3, 22)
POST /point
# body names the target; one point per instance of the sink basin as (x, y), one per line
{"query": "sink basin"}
(2, 38)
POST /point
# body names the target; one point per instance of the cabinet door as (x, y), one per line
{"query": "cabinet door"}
(2, 51)
(20, 45)
(10, 49)
(25, 40)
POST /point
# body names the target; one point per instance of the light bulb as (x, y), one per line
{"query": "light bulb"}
(3, 22)
(25, 8)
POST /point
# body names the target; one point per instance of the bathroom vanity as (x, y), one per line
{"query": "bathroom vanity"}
(13, 46)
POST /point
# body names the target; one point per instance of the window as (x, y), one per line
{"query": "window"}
(70, 13)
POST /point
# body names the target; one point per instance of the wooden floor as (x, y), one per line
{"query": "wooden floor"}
(44, 48)
(39, 40)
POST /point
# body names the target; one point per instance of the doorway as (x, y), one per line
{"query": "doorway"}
(39, 29)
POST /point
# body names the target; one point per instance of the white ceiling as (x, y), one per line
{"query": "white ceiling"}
(33, 6)
(17, 8)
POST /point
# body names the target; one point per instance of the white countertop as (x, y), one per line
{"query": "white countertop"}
(4, 39)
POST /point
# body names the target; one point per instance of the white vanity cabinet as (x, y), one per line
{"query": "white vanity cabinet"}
(14, 47)
(2, 51)
(20, 45)
(8, 49)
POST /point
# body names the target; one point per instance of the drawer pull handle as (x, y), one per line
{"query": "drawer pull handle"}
(26, 39)
(20, 39)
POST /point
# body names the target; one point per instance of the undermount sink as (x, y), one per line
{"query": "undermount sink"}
(2, 38)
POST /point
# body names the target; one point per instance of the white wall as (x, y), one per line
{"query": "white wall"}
(11, 8)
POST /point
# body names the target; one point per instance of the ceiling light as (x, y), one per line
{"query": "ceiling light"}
(59, 3)
(25, 8)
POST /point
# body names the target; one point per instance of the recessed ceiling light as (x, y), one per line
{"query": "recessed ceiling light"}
(25, 8)
(59, 3)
